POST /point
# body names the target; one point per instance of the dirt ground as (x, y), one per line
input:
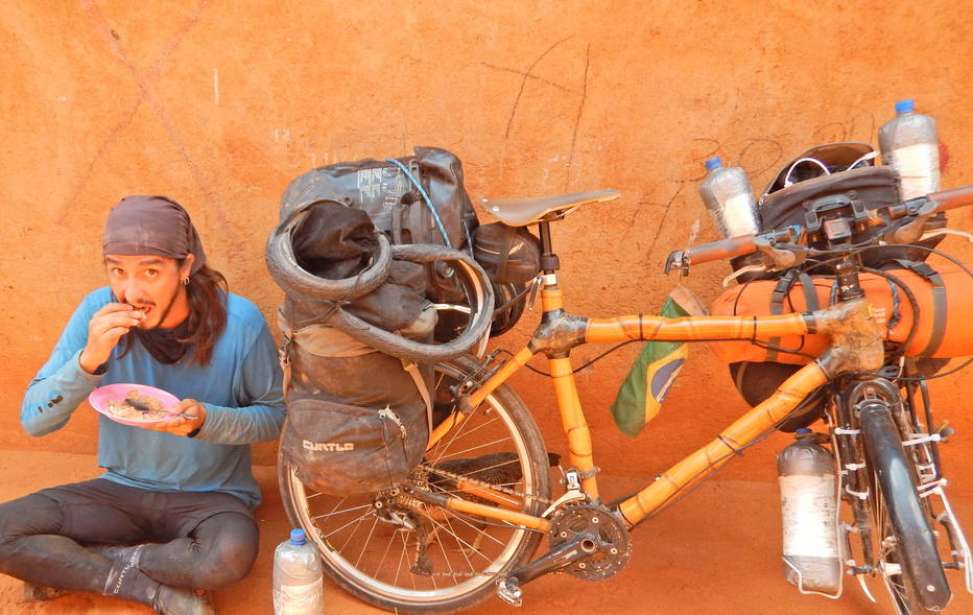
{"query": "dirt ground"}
(715, 552)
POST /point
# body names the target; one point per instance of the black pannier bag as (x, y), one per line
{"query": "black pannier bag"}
(395, 204)
(397, 207)
(803, 193)
(358, 419)
(511, 257)
(359, 317)
(508, 254)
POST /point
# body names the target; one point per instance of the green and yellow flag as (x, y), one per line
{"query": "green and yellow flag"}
(656, 368)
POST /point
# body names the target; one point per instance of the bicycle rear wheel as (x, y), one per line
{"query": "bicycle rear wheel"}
(398, 554)
(908, 553)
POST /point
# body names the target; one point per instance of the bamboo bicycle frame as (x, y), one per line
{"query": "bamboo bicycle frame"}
(855, 327)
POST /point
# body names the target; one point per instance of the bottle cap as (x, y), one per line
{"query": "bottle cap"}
(713, 163)
(297, 537)
(906, 105)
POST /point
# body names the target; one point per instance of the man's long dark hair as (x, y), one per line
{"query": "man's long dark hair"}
(207, 293)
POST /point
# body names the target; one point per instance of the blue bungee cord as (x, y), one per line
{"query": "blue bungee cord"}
(425, 197)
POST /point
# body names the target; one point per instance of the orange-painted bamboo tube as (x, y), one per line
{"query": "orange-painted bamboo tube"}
(551, 299)
(480, 395)
(602, 330)
(509, 502)
(739, 434)
(500, 514)
(575, 425)
(516, 362)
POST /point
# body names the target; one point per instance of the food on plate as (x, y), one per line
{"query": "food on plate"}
(137, 407)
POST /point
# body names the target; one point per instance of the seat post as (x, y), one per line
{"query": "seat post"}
(549, 261)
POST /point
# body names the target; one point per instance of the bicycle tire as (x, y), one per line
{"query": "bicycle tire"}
(534, 460)
(909, 555)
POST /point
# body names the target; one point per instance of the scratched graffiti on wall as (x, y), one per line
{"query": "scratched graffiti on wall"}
(551, 91)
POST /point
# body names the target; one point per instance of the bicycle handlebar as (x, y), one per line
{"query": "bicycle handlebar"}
(952, 199)
(776, 241)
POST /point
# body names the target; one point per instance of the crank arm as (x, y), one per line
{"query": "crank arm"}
(509, 588)
(580, 547)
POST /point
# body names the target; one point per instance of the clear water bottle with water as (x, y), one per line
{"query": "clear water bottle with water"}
(809, 504)
(910, 145)
(298, 588)
(728, 197)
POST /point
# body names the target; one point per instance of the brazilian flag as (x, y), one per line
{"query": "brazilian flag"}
(656, 368)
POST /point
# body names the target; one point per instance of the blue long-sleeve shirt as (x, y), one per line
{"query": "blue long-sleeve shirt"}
(240, 389)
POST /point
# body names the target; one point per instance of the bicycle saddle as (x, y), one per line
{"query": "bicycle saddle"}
(523, 212)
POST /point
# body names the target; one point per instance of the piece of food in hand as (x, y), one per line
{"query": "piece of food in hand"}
(138, 313)
(137, 407)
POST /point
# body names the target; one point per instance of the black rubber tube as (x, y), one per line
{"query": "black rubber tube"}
(390, 343)
(290, 276)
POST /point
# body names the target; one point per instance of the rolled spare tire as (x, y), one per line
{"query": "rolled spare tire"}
(469, 274)
(326, 253)
(287, 272)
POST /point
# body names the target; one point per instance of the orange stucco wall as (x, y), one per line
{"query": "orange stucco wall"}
(219, 105)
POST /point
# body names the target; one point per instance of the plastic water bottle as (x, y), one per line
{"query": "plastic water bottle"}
(809, 503)
(298, 588)
(728, 197)
(910, 145)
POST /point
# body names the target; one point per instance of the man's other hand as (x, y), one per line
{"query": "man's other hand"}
(190, 415)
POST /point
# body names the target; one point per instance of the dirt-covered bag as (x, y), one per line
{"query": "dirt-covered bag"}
(344, 449)
(508, 254)
(357, 420)
(396, 205)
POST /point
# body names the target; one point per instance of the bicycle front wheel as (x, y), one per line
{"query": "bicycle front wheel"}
(400, 554)
(908, 554)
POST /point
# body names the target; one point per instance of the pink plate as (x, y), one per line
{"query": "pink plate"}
(100, 397)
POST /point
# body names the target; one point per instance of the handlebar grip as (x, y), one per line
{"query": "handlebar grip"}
(953, 198)
(720, 250)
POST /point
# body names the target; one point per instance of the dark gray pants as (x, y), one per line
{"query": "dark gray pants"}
(197, 540)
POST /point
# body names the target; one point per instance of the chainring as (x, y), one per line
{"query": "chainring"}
(613, 548)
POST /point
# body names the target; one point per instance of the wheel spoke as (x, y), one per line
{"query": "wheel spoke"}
(388, 547)
(340, 512)
(465, 556)
(473, 448)
(367, 540)
(401, 557)
(468, 433)
(459, 430)
(481, 532)
(355, 520)
(474, 549)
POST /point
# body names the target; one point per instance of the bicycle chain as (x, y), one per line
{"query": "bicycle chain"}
(484, 484)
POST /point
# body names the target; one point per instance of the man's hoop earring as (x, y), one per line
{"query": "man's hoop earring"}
(185, 281)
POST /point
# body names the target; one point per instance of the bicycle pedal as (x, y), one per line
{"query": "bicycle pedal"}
(510, 592)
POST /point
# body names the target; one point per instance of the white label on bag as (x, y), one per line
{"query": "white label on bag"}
(298, 599)
(808, 507)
